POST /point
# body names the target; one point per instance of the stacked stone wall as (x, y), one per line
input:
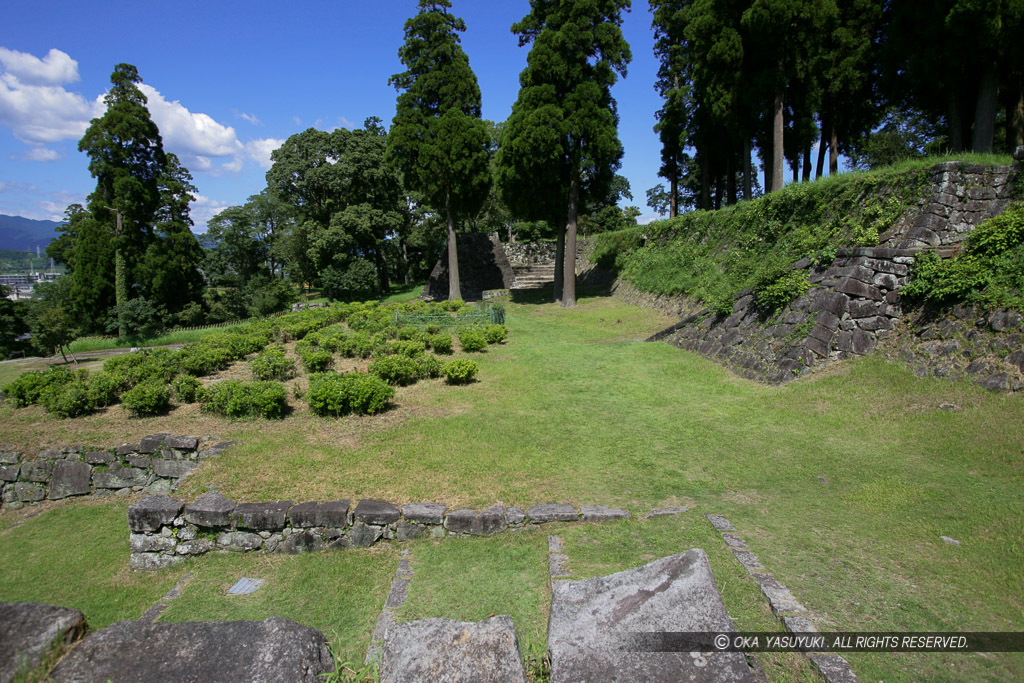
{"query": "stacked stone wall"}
(154, 465)
(165, 531)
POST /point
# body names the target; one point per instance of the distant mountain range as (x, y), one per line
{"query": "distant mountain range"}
(25, 234)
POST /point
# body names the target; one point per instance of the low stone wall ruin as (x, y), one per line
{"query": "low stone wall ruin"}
(154, 465)
(165, 531)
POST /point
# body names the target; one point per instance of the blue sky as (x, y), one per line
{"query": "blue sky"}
(229, 81)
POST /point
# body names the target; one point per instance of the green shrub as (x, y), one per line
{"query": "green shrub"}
(333, 394)
(777, 290)
(272, 363)
(429, 366)
(186, 388)
(69, 399)
(472, 340)
(408, 332)
(317, 361)
(459, 371)
(148, 398)
(104, 389)
(28, 388)
(453, 305)
(441, 343)
(433, 328)
(397, 370)
(233, 398)
(357, 345)
(495, 334)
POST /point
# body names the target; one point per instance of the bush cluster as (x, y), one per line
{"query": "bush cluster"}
(472, 340)
(459, 371)
(148, 398)
(332, 394)
(440, 343)
(232, 398)
(186, 388)
(272, 363)
(396, 370)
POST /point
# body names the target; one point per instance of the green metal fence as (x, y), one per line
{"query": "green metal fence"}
(482, 315)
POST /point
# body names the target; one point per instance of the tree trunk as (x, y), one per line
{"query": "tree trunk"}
(833, 153)
(730, 180)
(673, 200)
(807, 164)
(569, 270)
(985, 112)
(956, 141)
(405, 260)
(718, 194)
(748, 185)
(1015, 124)
(705, 182)
(556, 295)
(120, 277)
(454, 290)
(822, 144)
(778, 131)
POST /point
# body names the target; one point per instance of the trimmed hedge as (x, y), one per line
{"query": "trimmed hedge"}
(333, 395)
(233, 398)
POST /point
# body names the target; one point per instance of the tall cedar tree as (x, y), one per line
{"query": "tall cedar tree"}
(668, 24)
(561, 139)
(438, 141)
(137, 226)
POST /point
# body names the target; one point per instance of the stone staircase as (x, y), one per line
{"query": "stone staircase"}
(535, 276)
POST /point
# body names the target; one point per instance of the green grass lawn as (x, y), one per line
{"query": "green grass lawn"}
(842, 483)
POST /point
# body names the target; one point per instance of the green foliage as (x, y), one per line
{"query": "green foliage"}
(440, 343)
(104, 389)
(70, 399)
(775, 291)
(430, 366)
(989, 273)
(396, 370)
(151, 397)
(459, 371)
(333, 394)
(495, 334)
(138, 317)
(186, 388)
(472, 340)
(407, 332)
(232, 398)
(29, 387)
(315, 361)
(272, 363)
(129, 369)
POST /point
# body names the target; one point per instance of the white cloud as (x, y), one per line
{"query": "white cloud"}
(297, 120)
(259, 150)
(40, 154)
(44, 114)
(251, 118)
(188, 132)
(203, 209)
(54, 69)
(647, 218)
(16, 187)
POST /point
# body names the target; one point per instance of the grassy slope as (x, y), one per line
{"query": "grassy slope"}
(573, 408)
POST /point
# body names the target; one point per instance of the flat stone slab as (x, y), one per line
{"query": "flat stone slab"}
(262, 516)
(482, 523)
(151, 513)
(592, 621)
(424, 513)
(377, 512)
(667, 512)
(720, 523)
(333, 513)
(452, 651)
(29, 629)
(553, 512)
(212, 509)
(599, 513)
(275, 650)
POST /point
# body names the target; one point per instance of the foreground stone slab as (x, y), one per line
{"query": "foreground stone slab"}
(275, 650)
(591, 622)
(452, 651)
(149, 514)
(552, 512)
(29, 629)
(211, 509)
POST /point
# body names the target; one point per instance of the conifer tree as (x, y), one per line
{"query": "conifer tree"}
(562, 135)
(438, 141)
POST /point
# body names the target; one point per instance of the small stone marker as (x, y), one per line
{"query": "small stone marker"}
(592, 620)
(452, 651)
(552, 512)
(951, 541)
(599, 513)
(245, 586)
(666, 512)
(720, 523)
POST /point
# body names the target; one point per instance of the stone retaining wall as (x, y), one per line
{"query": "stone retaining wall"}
(154, 465)
(165, 531)
(543, 253)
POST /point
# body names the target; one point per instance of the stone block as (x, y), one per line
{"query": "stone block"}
(152, 443)
(600, 513)
(407, 531)
(119, 479)
(28, 631)
(817, 346)
(148, 562)
(99, 457)
(879, 322)
(667, 511)
(210, 510)
(483, 523)
(148, 543)
(301, 542)
(26, 492)
(9, 458)
(364, 535)
(149, 514)
(143, 462)
(9, 473)
(862, 342)
(514, 516)
(589, 620)
(885, 281)
(452, 651)
(181, 443)
(863, 309)
(858, 288)
(424, 513)
(70, 478)
(552, 512)
(172, 469)
(833, 302)
(833, 668)
(779, 597)
(377, 512)
(720, 523)
(197, 546)
(330, 514)
(749, 561)
(262, 516)
(37, 470)
(126, 449)
(275, 650)
(239, 540)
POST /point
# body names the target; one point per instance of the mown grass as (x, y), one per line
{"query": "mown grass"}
(842, 483)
